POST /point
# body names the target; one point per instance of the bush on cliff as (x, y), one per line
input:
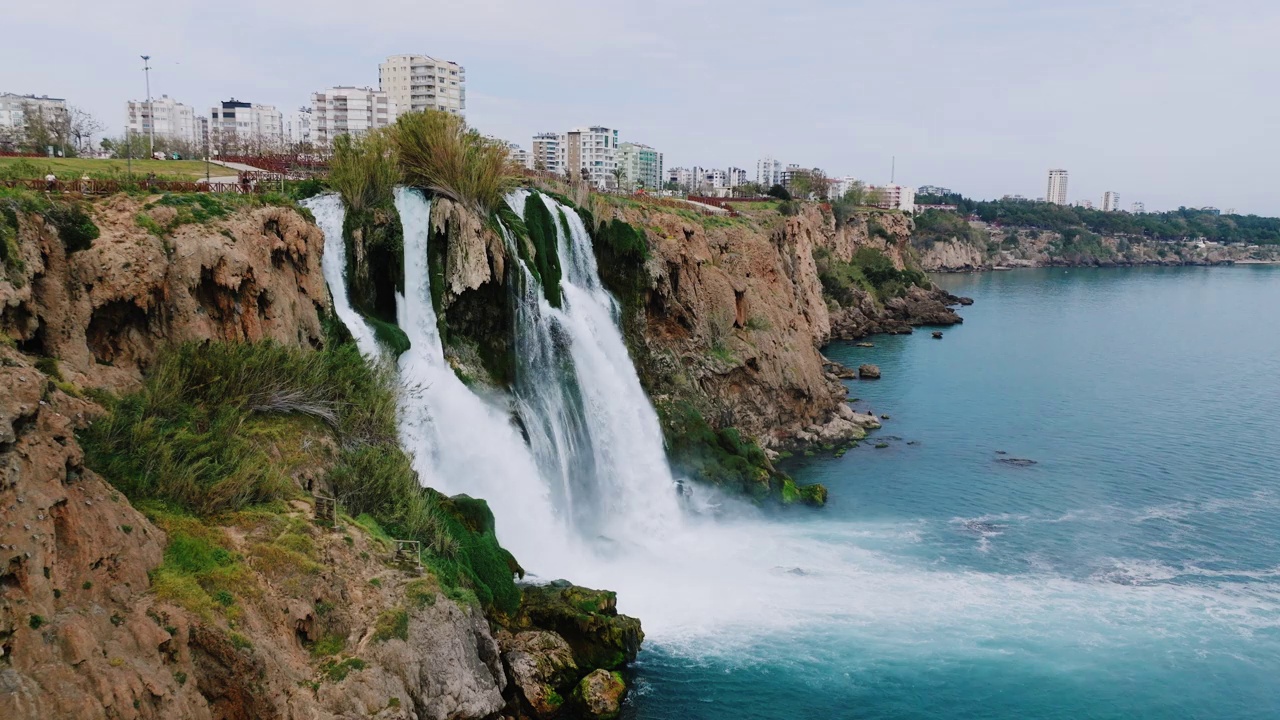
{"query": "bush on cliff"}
(438, 152)
(869, 271)
(365, 169)
(217, 426)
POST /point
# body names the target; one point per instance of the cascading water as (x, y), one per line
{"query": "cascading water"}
(815, 590)
(330, 213)
(594, 430)
(460, 443)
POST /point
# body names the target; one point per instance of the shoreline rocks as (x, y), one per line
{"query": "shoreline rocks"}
(868, 371)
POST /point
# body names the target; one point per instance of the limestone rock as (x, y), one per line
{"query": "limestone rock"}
(868, 372)
(542, 668)
(599, 695)
(586, 619)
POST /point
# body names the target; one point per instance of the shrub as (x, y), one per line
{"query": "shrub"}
(75, 227)
(364, 169)
(439, 153)
(779, 192)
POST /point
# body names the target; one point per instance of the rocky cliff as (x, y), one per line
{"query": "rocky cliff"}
(731, 313)
(989, 247)
(106, 611)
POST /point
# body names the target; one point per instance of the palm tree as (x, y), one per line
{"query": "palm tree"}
(618, 175)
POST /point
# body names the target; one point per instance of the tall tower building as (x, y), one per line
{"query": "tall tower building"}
(1111, 201)
(1057, 192)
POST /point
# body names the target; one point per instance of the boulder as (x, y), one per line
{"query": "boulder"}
(868, 372)
(542, 668)
(588, 620)
(599, 695)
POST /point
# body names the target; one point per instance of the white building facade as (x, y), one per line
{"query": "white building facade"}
(348, 111)
(297, 127)
(546, 154)
(1057, 192)
(591, 153)
(17, 111)
(235, 120)
(1138, 208)
(898, 197)
(420, 82)
(768, 172)
(172, 120)
(1110, 201)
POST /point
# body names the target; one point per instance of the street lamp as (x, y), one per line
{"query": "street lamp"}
(151, 108)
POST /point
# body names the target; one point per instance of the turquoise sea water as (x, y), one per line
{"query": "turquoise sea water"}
(1133, 571)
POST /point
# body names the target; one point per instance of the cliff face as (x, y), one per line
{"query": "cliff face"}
(99, 616)
(104, 311)
(732, 314)
(1015, 247)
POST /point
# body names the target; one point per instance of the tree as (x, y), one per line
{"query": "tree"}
(82, 127)
(619, 175)
(749, 189)
(779, 192)
(671, 185)
(809, 184)
(875, 197)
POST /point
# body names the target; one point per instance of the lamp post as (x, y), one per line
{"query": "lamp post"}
(151, 108)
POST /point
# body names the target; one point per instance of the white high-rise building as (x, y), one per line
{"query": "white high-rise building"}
(591, 153)
(238, 121)
(768, 172)
(546, 154)
(420, 82)
(1138, 208)
(1086, 204)
(1110, 201)
(737, 177)
(173, 120)
(1057, 192)
(641, 166)
(348, 111)
(297, 127)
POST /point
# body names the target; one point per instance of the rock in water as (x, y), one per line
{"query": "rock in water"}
(937, 334)
(587, 619)
(864, 345)
(599, 695)
(868, 372)
(1016, 462)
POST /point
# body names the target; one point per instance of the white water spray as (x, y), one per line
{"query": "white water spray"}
(330, 214)
(597, 468)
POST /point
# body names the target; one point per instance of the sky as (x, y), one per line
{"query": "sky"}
(1168, 102)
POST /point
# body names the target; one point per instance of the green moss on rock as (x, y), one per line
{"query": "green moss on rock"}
(541, 227)
(587, 619)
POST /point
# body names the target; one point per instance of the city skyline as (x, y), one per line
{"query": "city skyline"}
(641, 79)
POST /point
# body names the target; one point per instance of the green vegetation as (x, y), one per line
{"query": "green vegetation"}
(18, 168)
(1181, 224)
(541, 227)
(870, 270)
(939, 226)
(75, 227)
(439, 153)
(391, 624)
(779, 192)
(725, 459)
(199, 573)
(365, 169)
(35, 621)
(337, 670)
(214, 430)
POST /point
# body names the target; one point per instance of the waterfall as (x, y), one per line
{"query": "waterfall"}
(459, 442)
(330, 214)
(593, 430)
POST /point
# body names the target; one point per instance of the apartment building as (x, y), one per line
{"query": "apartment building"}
(348, 111)
(933, 190)
(897, 197)
(297, 127)
(768, 172)
(16, 111)
(1138, 208)
(233, 120)
(591, 153)
(690, 178)
(839, 187)
(545, 154)
(641, 166)
(1086, 204)
(172, 120)
(737, 177)
(1057, 192)
(420, 82)
(1111, 201)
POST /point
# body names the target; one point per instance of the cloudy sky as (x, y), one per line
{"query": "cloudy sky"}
(1171, 102)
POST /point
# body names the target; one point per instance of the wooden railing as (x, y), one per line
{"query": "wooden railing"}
(110, 187)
